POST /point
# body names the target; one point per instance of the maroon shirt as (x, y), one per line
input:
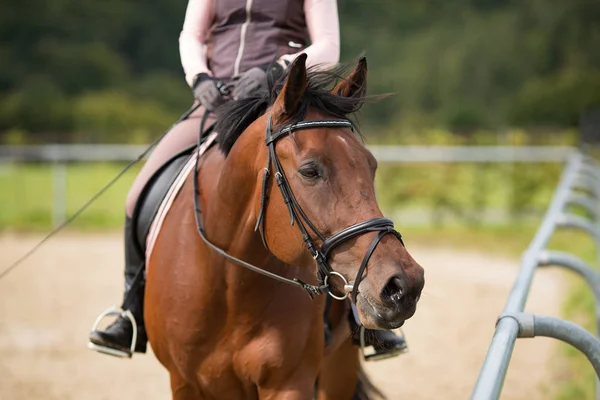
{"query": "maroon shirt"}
(242, 39)
(228, 37)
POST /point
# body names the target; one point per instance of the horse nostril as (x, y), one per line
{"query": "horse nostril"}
(393, 290)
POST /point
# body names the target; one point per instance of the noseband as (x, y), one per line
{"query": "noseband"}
(298, 217)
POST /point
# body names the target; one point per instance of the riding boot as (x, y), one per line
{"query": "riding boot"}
(385, 343)
(119, 335)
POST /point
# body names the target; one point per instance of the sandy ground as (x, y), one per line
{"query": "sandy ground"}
(48, 305)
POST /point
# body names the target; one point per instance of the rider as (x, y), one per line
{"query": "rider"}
(223, 41)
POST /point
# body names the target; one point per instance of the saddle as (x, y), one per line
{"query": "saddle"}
(154, 193)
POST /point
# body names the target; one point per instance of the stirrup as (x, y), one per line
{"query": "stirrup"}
(109, 350)
(382, 355)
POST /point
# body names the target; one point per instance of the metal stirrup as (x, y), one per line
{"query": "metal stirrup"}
(108, 350)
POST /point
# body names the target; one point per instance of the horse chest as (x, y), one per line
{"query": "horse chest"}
(237, 367)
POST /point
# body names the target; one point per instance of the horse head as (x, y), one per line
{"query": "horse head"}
(321, 207)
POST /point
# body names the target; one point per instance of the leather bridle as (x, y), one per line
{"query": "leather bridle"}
(320, 254)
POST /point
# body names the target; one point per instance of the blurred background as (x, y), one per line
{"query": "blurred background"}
(523, 74)
(484, 72)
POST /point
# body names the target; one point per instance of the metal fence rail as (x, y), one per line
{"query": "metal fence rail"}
(579, 186)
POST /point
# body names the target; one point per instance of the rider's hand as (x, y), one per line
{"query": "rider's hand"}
(278, 69)
(206, 92)
(250, 83)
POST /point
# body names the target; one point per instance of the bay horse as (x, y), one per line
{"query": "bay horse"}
(227, 332)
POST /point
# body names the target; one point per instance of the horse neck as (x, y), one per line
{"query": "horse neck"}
(231, 205)
(231, 201)
(232, 213)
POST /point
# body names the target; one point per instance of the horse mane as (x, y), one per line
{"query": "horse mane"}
(234, 117)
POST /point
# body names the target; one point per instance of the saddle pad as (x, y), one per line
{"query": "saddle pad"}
(167, 202)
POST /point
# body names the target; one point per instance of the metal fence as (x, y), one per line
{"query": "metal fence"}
(579, 186)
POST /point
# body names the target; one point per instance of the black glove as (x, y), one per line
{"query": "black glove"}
(250, 83)
(277, 70)
(206, 92)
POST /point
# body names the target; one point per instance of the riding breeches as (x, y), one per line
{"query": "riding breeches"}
(180, 137)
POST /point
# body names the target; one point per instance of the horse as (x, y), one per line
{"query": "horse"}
(281, 210)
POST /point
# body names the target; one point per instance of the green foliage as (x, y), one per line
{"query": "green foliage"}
(465, 119)
(38, 106)
(466, 193)
(463, 65)
(117, 117)
(556, 100)
(463, 62)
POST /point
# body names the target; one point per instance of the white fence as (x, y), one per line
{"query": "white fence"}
(60, 155)
(385, 154)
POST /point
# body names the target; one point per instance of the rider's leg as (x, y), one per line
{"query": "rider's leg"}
(119, 334)
(180, 137)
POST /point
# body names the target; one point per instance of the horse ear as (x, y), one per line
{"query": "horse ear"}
(295, 85)
(355, 85)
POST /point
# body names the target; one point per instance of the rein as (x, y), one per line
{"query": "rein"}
(298, 216)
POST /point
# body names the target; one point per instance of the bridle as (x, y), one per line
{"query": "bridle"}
(320, 254)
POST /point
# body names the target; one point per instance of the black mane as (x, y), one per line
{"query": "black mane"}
(235, 116)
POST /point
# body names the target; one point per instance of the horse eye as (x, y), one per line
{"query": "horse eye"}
(309, 172)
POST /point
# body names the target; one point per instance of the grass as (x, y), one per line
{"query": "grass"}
(26, 195)
(26, 199)
(465, 190)
(573, 371)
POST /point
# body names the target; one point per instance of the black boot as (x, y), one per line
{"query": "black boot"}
(385, 344)
(117, 338)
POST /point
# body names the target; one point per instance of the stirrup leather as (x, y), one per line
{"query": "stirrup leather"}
(108, 350)
(381, 354)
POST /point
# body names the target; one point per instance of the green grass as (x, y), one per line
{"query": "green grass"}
(574, 372)
(26, 191)
(26, 195)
